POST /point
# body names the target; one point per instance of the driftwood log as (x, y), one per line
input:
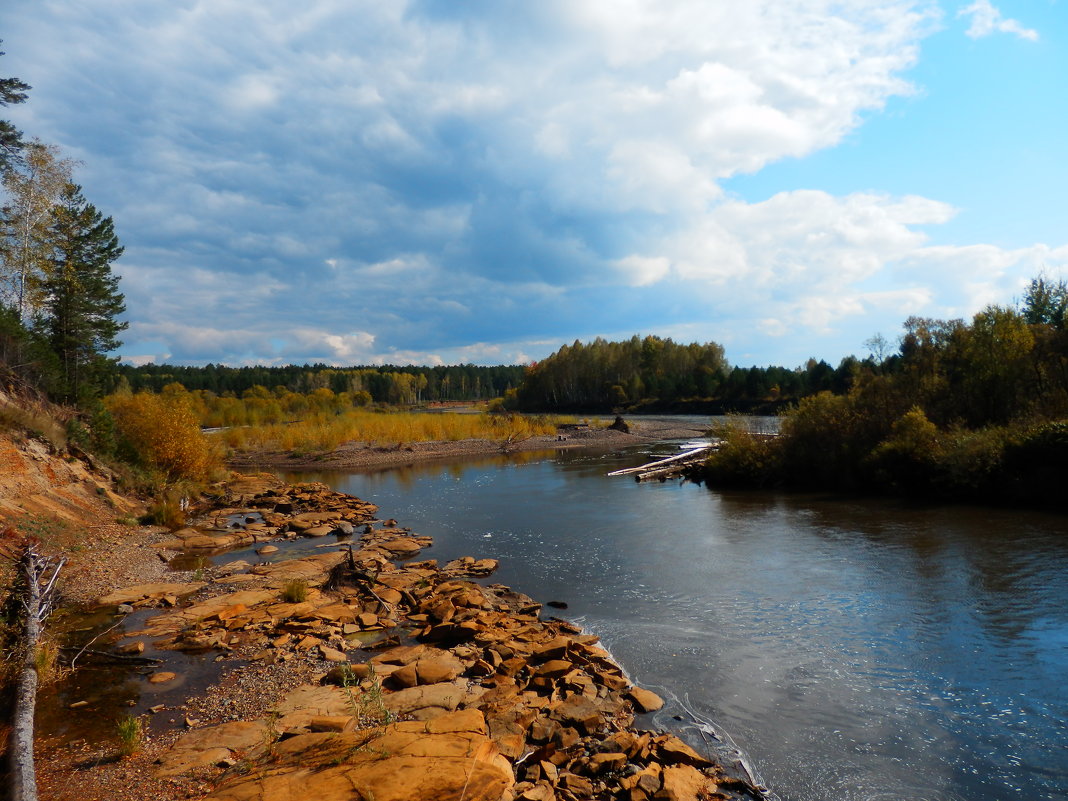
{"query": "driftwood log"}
(348, 572)
(36, 584)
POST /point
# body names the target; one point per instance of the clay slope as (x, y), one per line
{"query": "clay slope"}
(35, 479)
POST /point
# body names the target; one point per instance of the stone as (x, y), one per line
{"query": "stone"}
(645, 700)
(332, 654)
(345, 675)
(332, 723)
(132, 648)
(145, 592)
(434, 669)
(401, 547)
(542, 791)
(579, 786)
(675, 751)
(684, 783)
(318, 531)
(162, 677)
(428, 701)
(367, 619)
(266, 549)
(579, 710)
(446, 758)
(601, 763)
(208, 746)
(554, 668)
(404, 676)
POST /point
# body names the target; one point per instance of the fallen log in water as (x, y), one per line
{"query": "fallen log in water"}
(692, 455)
(669, 467)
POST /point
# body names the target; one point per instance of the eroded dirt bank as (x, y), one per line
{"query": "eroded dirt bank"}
(359, 673)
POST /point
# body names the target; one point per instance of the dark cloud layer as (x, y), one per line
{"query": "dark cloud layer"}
(425, 181)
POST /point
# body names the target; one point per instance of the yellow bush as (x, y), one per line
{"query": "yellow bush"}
(162, 432)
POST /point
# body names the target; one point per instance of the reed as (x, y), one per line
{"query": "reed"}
(323, 432)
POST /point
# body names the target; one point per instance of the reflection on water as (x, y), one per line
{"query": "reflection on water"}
(854, 649)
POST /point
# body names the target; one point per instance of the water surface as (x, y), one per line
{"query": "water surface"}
(854, 649)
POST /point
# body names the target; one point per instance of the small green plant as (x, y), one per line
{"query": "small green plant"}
(271, 735)
(131, 733)
(368, 707)
(295, 591)
(166, 511)
(46, 661)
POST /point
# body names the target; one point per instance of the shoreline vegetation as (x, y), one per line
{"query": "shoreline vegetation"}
(972, 412)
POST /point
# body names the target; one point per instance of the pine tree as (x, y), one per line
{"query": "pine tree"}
(12, 91)
(81, 296)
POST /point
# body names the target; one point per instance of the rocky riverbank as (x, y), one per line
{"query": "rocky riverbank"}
(359, 673)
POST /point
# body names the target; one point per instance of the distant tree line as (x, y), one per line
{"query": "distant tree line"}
(657, 374)
(967, 410)
(387, 384)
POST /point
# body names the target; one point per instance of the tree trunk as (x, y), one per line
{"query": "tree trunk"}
(23, 775)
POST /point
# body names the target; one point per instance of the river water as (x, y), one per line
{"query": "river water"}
(854, 650)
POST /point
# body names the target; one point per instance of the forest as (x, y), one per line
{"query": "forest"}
(654, 374)
(963, 411)
(388, 384)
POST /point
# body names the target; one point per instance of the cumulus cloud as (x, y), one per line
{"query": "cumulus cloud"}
(987, 20)
(349, 180)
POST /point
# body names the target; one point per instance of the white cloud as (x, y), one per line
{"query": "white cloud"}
(987, 20)
(361, 180)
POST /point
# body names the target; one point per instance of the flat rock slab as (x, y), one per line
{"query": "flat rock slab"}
(145, 592)
(203, 747)
(446, 759)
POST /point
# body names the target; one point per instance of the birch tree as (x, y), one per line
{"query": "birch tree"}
(33, 190)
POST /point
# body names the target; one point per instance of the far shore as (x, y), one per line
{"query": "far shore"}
(357, 455)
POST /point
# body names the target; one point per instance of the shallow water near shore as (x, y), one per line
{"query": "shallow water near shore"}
(854, 649)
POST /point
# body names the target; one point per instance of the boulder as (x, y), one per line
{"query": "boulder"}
(684, 783)
(644, 700)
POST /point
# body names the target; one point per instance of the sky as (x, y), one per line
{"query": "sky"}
(440, 181)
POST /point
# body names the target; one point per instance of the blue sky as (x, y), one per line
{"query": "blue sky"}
(437, 182)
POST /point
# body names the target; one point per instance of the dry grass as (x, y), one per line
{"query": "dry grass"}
(323, 432)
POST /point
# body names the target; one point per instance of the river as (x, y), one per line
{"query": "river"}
(854, 650)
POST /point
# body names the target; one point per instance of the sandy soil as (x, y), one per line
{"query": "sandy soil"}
(366, 455)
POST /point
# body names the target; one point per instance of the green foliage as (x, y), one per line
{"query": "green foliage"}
(965, 411)
(295, 591)
(12, 91)
(361, 386)
(744, 459)
(602, 374)
(131, 734)
(165, 510)
(1045, 302)
(907, 457)
(80, 297)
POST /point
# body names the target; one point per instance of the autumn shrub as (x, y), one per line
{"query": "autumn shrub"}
(162, 433)
(909, 456)
(820, 443)
(744, 459)
(971, 462)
